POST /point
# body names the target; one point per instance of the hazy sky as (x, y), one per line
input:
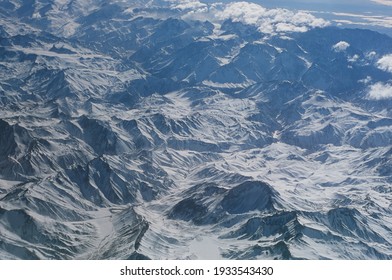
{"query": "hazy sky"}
(363, 6)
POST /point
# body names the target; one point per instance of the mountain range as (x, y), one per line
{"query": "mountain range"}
(184, 130)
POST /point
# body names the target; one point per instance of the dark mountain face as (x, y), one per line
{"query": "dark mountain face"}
(129, 128)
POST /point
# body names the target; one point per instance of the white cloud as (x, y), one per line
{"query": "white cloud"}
(365, 81)
(245, 12)
(385, 63)
(288, 27)
(36, 15)
(363, 19)
(371, 55)
(187, 4)
(380, 91)
(353, 58)
(383, 2)
(340, 46)
(270, 21)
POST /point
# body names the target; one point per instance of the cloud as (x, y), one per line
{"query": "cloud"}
(363, 19)
(353, 58)
(288, 27)
(385, 63)
(341, 46)
(380, 91)
(371, 55)
(365, 81)
(270, 21)
(245, 12)
(187, 4)
(383, 2)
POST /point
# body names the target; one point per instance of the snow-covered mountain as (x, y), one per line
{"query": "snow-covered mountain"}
(184, 130)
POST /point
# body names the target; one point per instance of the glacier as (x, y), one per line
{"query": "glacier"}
(138, 130)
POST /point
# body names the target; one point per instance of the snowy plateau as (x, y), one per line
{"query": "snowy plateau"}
(180, 129)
